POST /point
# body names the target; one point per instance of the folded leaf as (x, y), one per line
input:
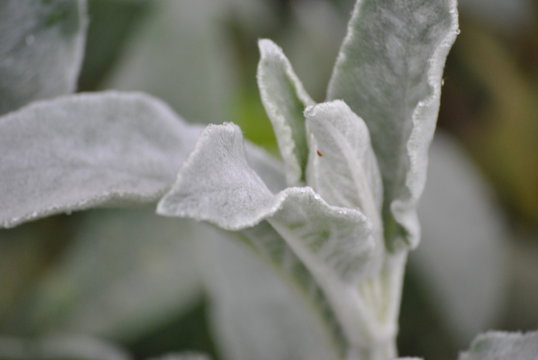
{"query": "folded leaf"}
(54, 348)
(284, 99)
(216, 184)
(389, 72)
(342, 166)
(500, 346)
(88, 150)
(41, 48)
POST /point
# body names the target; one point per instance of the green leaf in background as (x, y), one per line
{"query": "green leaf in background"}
(389, 72)
(41, 48)
(125, 272)
(503, 346)
(118, 147)
(463, 258)
(285, 100)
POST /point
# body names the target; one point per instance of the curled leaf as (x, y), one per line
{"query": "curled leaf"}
(216, 184)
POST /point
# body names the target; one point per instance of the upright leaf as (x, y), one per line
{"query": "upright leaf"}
(87, 150)
(284, 99)
(41, 47)
(389, 72)
(342, 165)
(501, 346)
(216, 184)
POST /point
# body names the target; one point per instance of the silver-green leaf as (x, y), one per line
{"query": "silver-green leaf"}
(87, 150)
(284, 99)
(342, 166)
(41, 48)
(216, 184)
(389, 72)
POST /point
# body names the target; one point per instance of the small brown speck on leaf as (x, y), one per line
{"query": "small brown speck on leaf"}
(320, 154)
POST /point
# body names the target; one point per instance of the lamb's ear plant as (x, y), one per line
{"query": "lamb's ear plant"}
(336, 219)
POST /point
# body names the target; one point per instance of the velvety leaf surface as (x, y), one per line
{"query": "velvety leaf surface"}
(216, 184)
(87, 150)
(342, 166)
(41, 48)
(284, 99)
(389, 72)
(54, 348)
(503, 346)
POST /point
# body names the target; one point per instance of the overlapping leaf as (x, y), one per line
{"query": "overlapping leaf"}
(342, 166)
(216, 184)
(389, 72)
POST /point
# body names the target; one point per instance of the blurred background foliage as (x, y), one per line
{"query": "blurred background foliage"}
(107, 274)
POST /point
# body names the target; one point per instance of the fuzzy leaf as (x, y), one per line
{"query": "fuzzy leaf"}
(41, 48)
(503, 346)
(216, 184)
(389, 72)
(88, 150)
(284, 99)
(342, 166)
